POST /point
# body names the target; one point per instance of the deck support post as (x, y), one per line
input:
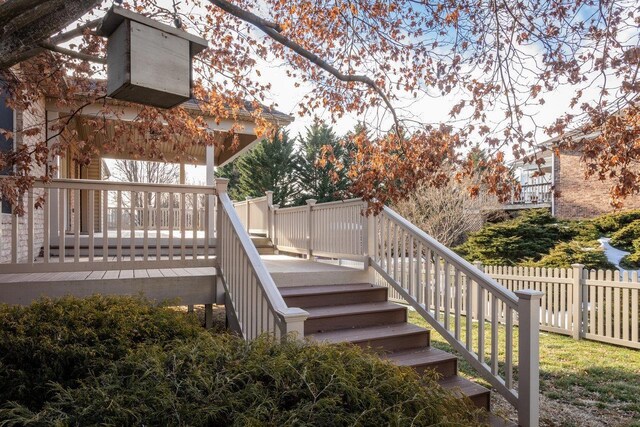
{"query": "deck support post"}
(208, 316)
(529, 357)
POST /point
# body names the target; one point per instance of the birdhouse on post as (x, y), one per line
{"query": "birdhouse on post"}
(148, 62)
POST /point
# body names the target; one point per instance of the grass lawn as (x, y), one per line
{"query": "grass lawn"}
(583, 383)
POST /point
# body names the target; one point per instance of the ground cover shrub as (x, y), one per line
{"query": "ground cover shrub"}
(155, 366)
(624, 237)
(632, 261)
(564, 254)
(610, 223)
(526, 238)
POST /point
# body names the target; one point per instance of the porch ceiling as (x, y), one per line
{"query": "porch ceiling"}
(132, 144)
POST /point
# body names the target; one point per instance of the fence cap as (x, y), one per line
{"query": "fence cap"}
(311, 201)
(529, 294)
(577, 265)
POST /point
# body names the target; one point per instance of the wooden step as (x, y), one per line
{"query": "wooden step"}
(479, 395)
(331, 318)
(324, 295)
(387, 338)
(420, 359)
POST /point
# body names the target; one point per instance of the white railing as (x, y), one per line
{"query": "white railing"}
(335, 229)
(465, 306)
(254, 213)
(257, 304)
(532, 194)
(163, 216)
(472, 311)
(597, 305)
(71, 232)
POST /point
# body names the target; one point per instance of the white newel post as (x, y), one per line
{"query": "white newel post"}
(310, 203)
(274, 238)
(370, 247)
(221, 187)
(529, 357)
(577, 301)
(269, 213)
(247, 217)
(294, 322)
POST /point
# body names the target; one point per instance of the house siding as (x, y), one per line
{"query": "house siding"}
(34, 118)
(577, 198)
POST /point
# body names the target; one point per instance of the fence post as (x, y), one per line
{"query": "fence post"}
(246, 214)
(221, 187)
(269, 212)
(529, 357)
(576, 315)
(310, 203)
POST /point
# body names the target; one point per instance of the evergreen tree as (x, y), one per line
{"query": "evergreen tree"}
(323, 183)
(231, 172)
(268, 166)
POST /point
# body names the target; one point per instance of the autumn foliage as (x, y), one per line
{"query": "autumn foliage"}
(501, 61)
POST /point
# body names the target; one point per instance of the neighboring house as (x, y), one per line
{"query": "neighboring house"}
(563, 187)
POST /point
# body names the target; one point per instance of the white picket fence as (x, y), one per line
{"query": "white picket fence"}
(598, 305)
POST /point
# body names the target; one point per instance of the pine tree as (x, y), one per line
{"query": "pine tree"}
(231, 172)
(323, 183)
(268, 166)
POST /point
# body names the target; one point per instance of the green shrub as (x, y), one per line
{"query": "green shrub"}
(529, 236)
(63, 341)
(623, 238)
(610, 223)
(174, 373)
(588, 253)
(632, 261)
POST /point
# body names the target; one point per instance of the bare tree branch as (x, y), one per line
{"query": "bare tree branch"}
(273, 30)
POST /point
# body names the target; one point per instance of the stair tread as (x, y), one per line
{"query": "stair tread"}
(419, 356)
(326, 289)
(364, 334)
(362, 308)
(467, 387)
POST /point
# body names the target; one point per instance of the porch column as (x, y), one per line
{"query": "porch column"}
(182, 174)
(211, 181)
(53, 162)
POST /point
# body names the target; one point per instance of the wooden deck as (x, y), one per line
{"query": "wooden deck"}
(185, 285)
(188, 285)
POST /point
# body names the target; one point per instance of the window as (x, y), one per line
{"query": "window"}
(6, 144)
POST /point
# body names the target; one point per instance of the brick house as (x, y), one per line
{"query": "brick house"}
(563, 187)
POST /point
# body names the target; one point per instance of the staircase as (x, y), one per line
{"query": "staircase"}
(362, 315)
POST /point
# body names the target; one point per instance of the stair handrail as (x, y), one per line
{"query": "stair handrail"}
(434, 298)
(251, 293)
